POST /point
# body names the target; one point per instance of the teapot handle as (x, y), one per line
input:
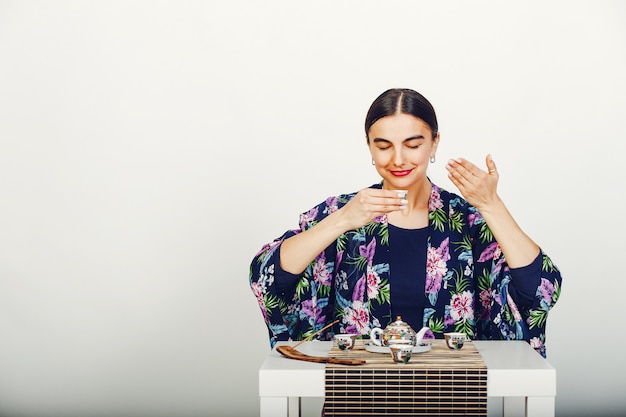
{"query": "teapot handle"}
(375, 336)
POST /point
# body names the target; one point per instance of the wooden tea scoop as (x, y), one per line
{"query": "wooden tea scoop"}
(292, 353)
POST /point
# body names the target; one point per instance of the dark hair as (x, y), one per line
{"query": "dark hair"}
(401, 100)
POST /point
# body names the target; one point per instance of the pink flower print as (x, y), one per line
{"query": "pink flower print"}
(546, 289)
(368, 251)
(321, 272)
(268, 247)
(309, 307)
(435, 202)
(308, 217)
(516, 314)
(331, 205)
(436, 267)
(472, 217)
(462, 307)
(339, 257)
(490, 252)
(485, 298)
(536, 343)
(359, 289)
(499, 264)
(257, 290)
(373, 283)
(380, 219)
(356, 318)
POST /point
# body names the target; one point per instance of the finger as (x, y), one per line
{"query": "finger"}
(382, 201)
(460, 181)
(491, 165)
(458, 170)
(455, 174)
(389, 193)
(393, 204)
(457, 181)
(471, 168)
(389, 197)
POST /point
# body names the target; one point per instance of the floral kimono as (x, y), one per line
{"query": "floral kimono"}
(469, 287)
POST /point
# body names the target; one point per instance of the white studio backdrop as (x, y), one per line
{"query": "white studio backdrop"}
(148, 149)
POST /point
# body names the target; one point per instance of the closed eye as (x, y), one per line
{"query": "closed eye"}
(413, 142)
(382, 144)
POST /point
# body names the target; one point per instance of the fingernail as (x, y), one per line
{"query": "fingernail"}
(402, 207)
(404, 202)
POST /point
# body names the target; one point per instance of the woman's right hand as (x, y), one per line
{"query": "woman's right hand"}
(299, 250)
(370, 203)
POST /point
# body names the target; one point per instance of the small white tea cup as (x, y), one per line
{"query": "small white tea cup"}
(345, 341)
(455, 340)
(401, 353)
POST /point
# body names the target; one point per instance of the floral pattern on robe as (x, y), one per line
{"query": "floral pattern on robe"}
(469, 287)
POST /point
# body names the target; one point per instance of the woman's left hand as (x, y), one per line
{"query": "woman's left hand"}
(478, 187)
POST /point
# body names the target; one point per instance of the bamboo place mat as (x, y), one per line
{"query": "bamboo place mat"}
(440, 382)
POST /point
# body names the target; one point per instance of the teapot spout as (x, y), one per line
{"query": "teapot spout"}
(420, 335)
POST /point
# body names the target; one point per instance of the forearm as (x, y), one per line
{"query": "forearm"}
(518, 248)
(298, 251)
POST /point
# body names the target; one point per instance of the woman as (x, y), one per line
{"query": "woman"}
(430, 256)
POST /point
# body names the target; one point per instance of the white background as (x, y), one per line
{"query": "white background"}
(148, 149)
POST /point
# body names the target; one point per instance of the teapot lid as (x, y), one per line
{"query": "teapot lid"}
(400, 323)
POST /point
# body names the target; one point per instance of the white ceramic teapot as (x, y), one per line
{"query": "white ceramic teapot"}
(396, 333)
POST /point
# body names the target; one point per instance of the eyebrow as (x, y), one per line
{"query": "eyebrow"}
(376, 140)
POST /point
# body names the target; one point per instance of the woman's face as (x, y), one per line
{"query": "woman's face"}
(401, 146)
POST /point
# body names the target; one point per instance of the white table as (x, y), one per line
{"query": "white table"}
(515, 372)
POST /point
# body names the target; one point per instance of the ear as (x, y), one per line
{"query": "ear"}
(436, 143)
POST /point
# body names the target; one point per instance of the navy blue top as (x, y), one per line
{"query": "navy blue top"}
(407, 273)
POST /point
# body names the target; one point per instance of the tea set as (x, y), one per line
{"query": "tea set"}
(400, 340)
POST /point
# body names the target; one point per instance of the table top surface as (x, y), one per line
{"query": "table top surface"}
(514, 368)
(497, 355)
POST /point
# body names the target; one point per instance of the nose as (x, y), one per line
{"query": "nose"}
(398, 158)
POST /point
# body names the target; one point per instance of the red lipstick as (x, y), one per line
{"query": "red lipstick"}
(401, 173)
